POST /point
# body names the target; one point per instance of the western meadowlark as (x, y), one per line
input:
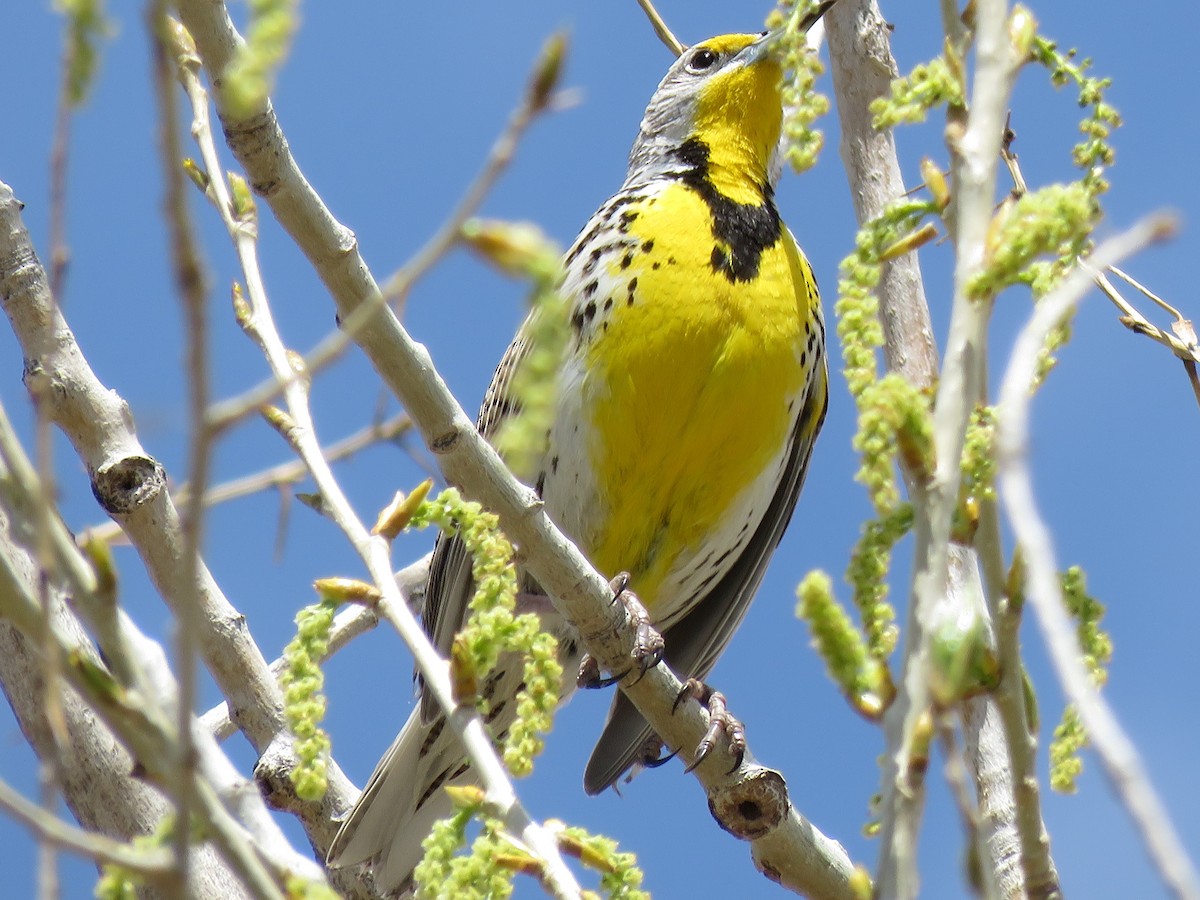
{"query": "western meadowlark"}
(689, 400)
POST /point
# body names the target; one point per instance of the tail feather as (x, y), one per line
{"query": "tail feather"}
(405, 795)
(390, 820)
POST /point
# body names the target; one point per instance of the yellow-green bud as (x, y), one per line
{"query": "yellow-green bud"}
(547, 71)
(197, 175)
(396, 515)
(347, 590)
(520, 249)
(243, 199)
(1022, 29)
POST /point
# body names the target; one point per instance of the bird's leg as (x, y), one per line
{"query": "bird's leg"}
(720, 721)
(648, 644)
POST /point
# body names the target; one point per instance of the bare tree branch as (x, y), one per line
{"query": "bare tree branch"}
(348, 624)
(994, 725)
(1044, 590)
(664, 33)
(282, 475)
(141, 703)
(131, 486)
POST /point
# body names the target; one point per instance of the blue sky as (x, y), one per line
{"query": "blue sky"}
(389, 109)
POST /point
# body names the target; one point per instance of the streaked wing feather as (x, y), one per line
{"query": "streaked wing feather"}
(450, 584)
(696, 641)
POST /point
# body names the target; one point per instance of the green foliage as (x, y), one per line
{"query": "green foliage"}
(538, 701)
(862, 677)
(979, 455)
(493, 628)
(1093, 155)
(1065, 763)
(300, 888)
(85, 27)
(802, 104)
(303, 702)
(1035, 239)
(1056, 218)
(620, 877)
(488, 869)
(963, 660)
(978, 483)
(440, 867)
(119, 883)
(1094, 152)
(1069, 735)
(867, 576)
(248, 81)
(934, 83)
(893, 420)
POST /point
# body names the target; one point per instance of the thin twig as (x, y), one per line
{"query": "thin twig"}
(348, 624)
(1138, 286)
(1117, 753)
(59, 259)
(500, 157)
(396, 290)
(660, 28)
(975, 150)
(60, 252)
(1182, 342)
(956, 777)
(191, 284)
(301, 434)
(152, 862)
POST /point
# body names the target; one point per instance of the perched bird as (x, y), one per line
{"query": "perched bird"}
(689, 399)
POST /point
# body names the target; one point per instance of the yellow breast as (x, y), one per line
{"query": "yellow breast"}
(693, 382)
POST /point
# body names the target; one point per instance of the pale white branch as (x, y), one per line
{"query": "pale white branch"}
(994, 726)
(975, 154)
(131, 486)
(149, 862)
(302, 435)
(348, 624)
(1117, 752)
(145, 715)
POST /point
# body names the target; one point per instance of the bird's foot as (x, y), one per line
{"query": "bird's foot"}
(720, 721)
(648, 644)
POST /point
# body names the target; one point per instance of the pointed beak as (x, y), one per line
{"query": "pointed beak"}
(759, 50)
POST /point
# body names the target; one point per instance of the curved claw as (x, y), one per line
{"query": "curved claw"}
(650, 655)
(606, 681)
(655, 762)
(683, 694)
(589, 677)
(720, 721)
(702, 751)
(619, 584)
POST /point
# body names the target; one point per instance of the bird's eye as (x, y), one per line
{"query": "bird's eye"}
(702, 59)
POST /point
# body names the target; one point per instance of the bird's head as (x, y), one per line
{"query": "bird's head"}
(724, 94)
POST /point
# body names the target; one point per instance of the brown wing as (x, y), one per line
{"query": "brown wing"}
(695, 642)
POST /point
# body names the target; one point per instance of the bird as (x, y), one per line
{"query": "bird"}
(689, 398)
